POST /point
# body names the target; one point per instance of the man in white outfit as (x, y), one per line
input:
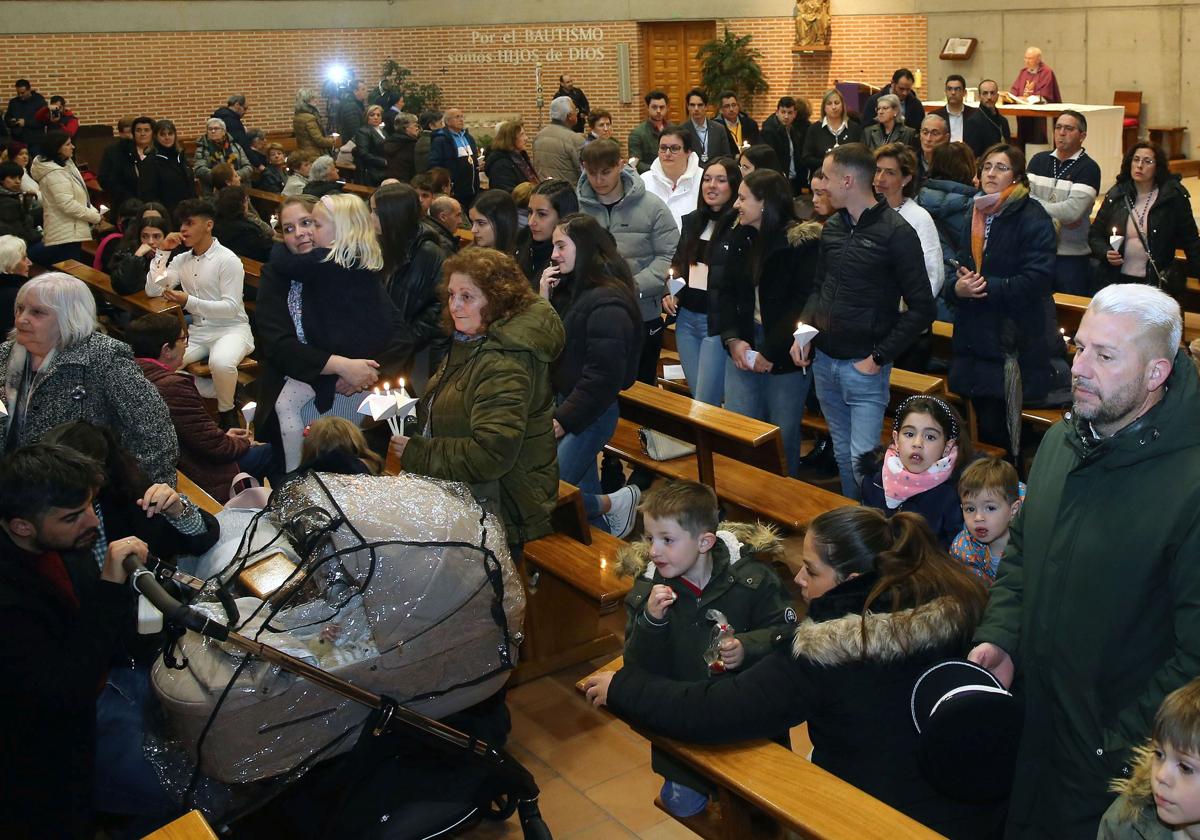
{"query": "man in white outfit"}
(206, 282)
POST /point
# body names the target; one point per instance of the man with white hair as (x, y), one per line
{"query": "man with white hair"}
(556, 147)
(1035, 79)
(1096, 605)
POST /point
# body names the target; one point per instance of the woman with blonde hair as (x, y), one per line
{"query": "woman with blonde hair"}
(508, 162)
(338, 304)
(370, 162)
(336, 445)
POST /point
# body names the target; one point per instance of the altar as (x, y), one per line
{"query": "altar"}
(1103, 141)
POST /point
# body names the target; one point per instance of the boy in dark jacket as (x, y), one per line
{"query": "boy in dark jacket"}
(690, 616)
(208, 455)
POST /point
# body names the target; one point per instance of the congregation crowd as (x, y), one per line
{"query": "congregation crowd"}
(515, 291)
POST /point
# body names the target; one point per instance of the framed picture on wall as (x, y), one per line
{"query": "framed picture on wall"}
(958, 49)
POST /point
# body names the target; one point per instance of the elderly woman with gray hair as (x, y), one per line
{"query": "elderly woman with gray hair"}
(306, 125)
(217, 147)
(14, 271)
(891, 127)
(57, 368)
(400, 148)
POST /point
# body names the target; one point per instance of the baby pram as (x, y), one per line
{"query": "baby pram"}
(389, 597)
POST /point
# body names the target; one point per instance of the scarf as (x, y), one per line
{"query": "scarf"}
(987, 207)
(900, 485)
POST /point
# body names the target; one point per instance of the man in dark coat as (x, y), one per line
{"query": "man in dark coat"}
(454, 149)
(741, 126)
(870, 260)
(784, 132)
(21, 112)
(352, 113)
(566, 87)
(1096, 604)
(66, 615)
(710, 139)
(231, 115)
(902, 85)
(987, 126)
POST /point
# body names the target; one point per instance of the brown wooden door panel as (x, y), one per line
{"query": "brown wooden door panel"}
(669, 60)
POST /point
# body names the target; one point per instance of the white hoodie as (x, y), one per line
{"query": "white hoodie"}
(680, 199)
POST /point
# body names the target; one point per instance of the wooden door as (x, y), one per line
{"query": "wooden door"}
(669, 61)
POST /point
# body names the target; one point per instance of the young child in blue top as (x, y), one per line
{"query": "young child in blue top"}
(704, 602)
(919, 472)
(991, 495)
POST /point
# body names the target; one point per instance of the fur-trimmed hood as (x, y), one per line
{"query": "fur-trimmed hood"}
(803, 232)
(1136, 794)
(832, 634)
(733, 537)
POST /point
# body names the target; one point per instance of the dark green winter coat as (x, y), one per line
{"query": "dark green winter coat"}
(743, 586)
(486, 419)
(1097, 599)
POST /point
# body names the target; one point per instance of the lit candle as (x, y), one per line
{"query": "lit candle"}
(1114, 231)
(401, 383)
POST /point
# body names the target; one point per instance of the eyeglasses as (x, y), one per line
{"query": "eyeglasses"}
(670, 150)
(996, 167)
(1144, 161)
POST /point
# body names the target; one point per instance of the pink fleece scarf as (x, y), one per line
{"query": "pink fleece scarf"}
(900, 485)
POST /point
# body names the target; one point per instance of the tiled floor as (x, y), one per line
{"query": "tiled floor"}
(594, 771)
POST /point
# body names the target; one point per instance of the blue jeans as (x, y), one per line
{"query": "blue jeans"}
(257, 460)
(853, 404)
(703, 356)
(577, 453)
(126, 781)
(772, 398)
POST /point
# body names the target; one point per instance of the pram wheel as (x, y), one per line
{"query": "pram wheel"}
(500, 807)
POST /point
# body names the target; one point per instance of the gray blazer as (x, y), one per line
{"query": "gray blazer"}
(97, 380)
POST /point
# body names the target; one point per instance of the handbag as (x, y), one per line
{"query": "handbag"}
(662, 447)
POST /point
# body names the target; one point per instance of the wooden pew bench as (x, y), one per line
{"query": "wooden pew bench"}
(739, 457)
(766, 790)
(198, 495)
(138, 303)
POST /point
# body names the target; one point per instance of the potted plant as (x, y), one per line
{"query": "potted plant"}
(417, 98)
(730, 63)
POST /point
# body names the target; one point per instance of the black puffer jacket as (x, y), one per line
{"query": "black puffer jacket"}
(16, 218)
(784, 284)
(345, 311)
(600, 358)
(413, 288)
(856, 700)
(1171, 226)
(864, 271)
(1018, 312)
(166, 177)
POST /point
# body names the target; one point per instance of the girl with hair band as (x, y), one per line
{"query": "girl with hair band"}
(884, 605)
(339, 305)
(919, 471)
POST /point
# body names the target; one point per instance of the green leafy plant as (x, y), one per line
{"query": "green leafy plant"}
(730, 63)
(417, 97)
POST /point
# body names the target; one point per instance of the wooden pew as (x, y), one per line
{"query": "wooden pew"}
(139, 303)
(191, 826)
(197, 494)
(266, 203)
(766, 790)
(740, 458)
(253, 271)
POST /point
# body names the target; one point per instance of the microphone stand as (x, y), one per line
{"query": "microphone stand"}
(517, 778)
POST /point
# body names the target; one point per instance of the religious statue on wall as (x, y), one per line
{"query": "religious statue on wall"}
(812, 23)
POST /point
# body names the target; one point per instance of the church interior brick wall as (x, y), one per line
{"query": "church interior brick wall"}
(483, 69)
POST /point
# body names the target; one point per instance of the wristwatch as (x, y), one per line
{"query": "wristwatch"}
(877, 358)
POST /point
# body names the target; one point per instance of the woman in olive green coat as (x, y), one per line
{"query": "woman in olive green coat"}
(486, 416)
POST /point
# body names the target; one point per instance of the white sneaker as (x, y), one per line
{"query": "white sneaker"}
(623, 511)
